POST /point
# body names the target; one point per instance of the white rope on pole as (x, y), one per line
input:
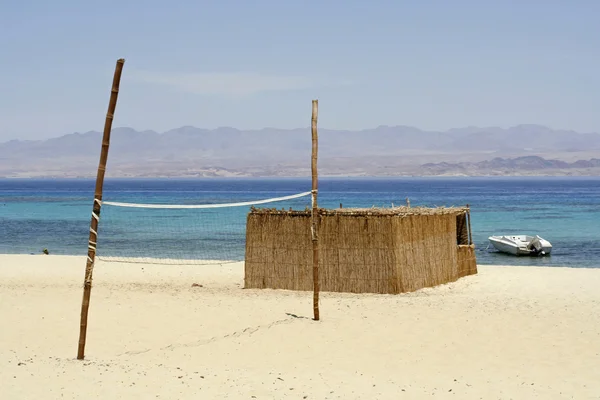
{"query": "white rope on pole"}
(181, 206)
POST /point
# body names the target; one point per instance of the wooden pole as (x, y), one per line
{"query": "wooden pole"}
(469, 222)
(93, 239)
(315, 211)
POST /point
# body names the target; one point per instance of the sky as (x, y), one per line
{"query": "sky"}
(431, 64)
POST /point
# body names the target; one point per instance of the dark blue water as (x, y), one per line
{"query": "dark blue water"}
(55, 214)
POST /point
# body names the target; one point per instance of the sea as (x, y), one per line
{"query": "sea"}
(54, 214)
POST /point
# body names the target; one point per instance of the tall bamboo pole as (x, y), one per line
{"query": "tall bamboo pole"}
(469, 222)
(315, 211)
(93, 239)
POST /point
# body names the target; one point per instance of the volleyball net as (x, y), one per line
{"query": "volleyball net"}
(180, 234)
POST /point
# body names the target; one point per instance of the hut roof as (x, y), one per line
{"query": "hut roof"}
(374, 211)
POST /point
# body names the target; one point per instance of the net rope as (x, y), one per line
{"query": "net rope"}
(200, 206)
(179, 234)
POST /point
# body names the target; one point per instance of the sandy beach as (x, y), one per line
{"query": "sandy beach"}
(506, 333)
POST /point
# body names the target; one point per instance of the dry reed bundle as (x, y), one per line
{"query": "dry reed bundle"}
(278, 252)
(360, 250)
(396, 210)
(467, 262)
(361, 212)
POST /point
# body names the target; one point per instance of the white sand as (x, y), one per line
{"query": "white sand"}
(509, 332)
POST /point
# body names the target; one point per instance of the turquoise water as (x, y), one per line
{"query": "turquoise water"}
(55, 214)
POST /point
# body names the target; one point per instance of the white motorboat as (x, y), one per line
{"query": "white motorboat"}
(521, 245)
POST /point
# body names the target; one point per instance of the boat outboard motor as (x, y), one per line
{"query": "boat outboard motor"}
(535, 246)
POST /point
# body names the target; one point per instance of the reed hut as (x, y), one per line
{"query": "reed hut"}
(390, 250)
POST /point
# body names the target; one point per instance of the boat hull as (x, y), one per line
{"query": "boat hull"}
(521, 245)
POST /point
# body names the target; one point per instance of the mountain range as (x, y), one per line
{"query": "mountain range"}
(385, 150)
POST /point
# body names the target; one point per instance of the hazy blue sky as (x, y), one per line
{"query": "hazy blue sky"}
(252, 64)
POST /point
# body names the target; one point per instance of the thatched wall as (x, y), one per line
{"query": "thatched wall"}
(375, 251)
(467, 262)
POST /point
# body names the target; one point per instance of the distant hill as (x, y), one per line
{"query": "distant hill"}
(510, 166)
(385, 150)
